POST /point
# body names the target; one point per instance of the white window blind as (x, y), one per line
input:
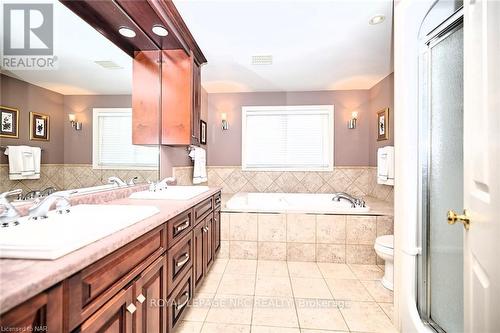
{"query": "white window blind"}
(112, 142)
(287, 138)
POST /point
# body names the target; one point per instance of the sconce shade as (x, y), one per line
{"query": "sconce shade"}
(72, 117)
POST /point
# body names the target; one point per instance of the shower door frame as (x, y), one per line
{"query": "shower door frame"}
(440, 33)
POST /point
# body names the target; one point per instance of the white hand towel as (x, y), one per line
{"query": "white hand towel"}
(24, 162)
(199, 155)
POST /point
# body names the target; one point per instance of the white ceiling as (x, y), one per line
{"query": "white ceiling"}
(316, 45)
(77, 45)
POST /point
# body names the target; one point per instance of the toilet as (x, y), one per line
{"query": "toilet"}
(384, 247)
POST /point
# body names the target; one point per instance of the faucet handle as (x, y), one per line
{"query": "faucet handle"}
(131, 182)
(4, 195)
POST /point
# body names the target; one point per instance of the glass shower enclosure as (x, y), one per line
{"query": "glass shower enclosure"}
(440, 265)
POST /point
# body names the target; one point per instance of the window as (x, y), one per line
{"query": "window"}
(287, 138)
(112, 142)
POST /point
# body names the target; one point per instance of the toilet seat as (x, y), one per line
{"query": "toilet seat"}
(386, 241)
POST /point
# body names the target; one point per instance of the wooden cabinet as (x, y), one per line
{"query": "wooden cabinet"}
(42, 313)
(204, 246)
(179, 299)
(199, 249)
(150, 293)
(144, 286)
(114, 316)
(179, 99)
(216, 227)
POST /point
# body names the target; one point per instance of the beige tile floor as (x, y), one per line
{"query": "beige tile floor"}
(261, 296)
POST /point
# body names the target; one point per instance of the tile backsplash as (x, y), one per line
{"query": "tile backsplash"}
(68, 176)
(358, 181)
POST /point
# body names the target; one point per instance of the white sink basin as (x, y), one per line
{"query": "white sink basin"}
(171, 193)
(58, 234)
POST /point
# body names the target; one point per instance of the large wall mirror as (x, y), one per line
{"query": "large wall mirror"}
(78, 113)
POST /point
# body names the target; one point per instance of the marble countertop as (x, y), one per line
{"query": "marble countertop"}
(377, 206)
(22, 279)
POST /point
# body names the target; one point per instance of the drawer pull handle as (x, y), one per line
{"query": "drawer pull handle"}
(131, 308)
(184, 303)
(141, 298)
(182, 226)
(183, 261)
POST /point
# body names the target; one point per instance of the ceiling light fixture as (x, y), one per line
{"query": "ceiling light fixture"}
(159, 30)
(377, 19)
(126, 32)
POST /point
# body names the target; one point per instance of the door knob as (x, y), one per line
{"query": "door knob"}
(131, 308)
(454, 217)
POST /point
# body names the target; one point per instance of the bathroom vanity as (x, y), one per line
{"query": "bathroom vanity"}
(138, 279)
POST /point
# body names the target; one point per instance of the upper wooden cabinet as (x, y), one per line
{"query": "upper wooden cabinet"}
(179, 102)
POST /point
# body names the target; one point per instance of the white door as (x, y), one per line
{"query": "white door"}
(482, 165)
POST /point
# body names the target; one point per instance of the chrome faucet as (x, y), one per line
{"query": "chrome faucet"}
(116, 180)
(355, 202)
(9, 215)
(41, 208)
(131, 182)
(162, 184)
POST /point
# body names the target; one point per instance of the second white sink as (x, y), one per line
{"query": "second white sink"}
(171, 193)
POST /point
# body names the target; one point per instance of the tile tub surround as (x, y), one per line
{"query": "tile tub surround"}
(69, 176)
(290, 297)
(303, 237)
(357, 181)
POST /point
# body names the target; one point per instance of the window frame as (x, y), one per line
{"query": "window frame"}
(289, 109)
(96, 112)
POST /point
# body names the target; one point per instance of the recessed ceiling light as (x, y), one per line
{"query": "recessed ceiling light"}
(127, 32)
(377, 19)
(160, 30)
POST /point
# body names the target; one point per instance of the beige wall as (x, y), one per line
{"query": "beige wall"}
(352, 147)
(66, 146)
(381, 97)
(78, 144)
(28, 98)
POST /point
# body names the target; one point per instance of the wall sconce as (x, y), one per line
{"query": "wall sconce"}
(351, 124)
(75, 124)
(225, 124)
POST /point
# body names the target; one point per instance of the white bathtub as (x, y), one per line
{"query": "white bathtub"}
(290, 203)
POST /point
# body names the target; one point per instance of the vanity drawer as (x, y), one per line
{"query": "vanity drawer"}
(217, 199)
(179, 261)
(179, 226)
(178, 302)
(93, 286)
(203, 209)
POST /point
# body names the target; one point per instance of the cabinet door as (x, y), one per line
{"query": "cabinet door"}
(208, 241)
(149, 295)
(198, 245)
(216, 231)
(42, 313)
(115, 316)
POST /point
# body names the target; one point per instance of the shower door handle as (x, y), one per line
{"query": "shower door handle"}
(454, 217)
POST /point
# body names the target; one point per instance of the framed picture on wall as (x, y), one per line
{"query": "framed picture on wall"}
(203, 132)
(39, 126)
(383, 124)
(9, 122)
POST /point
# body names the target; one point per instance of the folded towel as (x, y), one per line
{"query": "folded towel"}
(199, 156)
(24, 162)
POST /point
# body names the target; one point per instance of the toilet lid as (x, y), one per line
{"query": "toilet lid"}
(386, 241)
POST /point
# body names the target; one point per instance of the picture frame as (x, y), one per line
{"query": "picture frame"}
(9, 122)
(203, 132)
(383, 124)
(39, 126)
